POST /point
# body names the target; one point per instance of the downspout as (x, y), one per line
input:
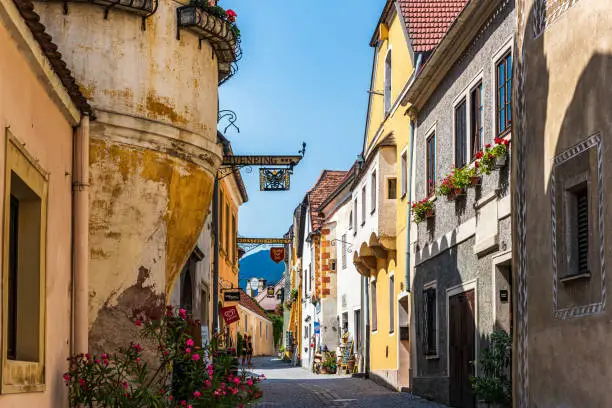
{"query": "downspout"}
(80, 237)
(411, 147)
(215, 214)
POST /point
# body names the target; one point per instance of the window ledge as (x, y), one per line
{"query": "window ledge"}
(432, 357)
(576, 276)
(374, 331)
(403, 196)
(373, 211)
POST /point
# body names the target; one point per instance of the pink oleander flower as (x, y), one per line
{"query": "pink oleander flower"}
(183, 314)
(138, 322)
(250, 382)
(237, 380)
(195, 357)
(137, 347)
(197, 394)
(188, 350)
(190, 343)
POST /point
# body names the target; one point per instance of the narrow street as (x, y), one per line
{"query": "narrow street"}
(287, 386)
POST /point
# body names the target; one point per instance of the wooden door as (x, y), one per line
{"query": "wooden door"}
(462, 332)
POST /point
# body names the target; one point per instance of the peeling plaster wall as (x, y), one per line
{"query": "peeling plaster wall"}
(153, 154)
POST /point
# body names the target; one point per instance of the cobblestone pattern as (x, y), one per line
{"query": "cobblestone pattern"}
(294, 387)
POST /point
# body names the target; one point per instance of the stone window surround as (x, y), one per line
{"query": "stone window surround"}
(502, 51)
(433, 130)
(434, 285)
(465, 96)
(455, 290)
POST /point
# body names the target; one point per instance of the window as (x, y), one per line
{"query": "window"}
(351, 220)
(460, 134)
(333, 265)
(374, 307)
(355, 215)
(234, 256)
(404, 173)
(373, 192)
(578, 220)
(431, 164)
(227, 228)
(260, 328)
(429, 321)
(344, 251)
(221, 225)
(266, 332)
(246, 322)
(391, 188)
(204, 304)
(363, 205)
(309, 277)
(476, 120)
(503, 81)
(24, 254)
(388, 82)
(391, 304)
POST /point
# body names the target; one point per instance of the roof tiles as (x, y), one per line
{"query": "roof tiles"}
(326, 185)
(251, 304)
(428, 20)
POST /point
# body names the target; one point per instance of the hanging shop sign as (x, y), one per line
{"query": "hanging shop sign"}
(261, 160)
(263, 241)
(230, 314)
(270, 292)
(277, 254)
(317, 328)
(274, 179)
(231, 296)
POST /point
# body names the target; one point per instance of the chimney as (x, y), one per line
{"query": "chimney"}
(262, 285)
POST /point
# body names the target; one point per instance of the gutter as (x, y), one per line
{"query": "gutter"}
(410, 162)
(80, 238)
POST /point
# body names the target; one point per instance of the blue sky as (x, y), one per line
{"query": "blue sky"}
(304, 76)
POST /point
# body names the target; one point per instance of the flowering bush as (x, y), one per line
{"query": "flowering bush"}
(488, 157)
(422, 209)
(183, 376)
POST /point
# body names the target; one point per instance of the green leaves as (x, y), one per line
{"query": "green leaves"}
(494, 386)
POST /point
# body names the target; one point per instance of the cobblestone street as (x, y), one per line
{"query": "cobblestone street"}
(287, 386)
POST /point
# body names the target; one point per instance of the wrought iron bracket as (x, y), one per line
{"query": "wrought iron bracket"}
(349, 246)
(232, 118)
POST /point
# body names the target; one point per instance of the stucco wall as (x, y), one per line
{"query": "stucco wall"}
(32, 117)
(464, 239)
(567, 100)
(260, 329)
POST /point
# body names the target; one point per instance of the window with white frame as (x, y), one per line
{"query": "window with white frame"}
(461, 134)
(476, 120)
(388, 82)
(363, 205)
(373, 191)
(344, 251)
(355, 215)
(404, 173)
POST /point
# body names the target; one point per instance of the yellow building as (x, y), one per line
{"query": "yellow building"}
(255, 322)
(380, 215)
(232, 194)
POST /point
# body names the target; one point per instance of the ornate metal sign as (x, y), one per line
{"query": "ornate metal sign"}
(263, 241)
(270, 292)
(274, 179)
(256, 160)
(231, 296)
(277, 254)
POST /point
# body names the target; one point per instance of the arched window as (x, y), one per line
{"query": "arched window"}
(388, 82)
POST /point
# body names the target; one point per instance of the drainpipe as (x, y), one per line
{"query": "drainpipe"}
(80, 237)
(215, 214)
(408, 223)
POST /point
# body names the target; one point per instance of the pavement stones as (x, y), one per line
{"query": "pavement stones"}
(295, 387)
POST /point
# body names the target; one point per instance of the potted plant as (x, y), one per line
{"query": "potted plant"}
(461, 180)
(329, 364)
(494, 385)
(447, 187)
(350, 364)
(473, 176)
(422, 210)
(493, 157)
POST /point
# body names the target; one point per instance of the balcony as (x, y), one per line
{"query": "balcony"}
(144, 8)
(219, 33)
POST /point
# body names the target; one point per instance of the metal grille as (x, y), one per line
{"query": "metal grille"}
(582, 236)
(429, 321)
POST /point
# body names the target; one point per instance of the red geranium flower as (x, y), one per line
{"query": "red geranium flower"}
(488, 145)
(231, 15)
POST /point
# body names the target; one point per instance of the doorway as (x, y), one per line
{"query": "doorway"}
(462, 348)
(404, 343)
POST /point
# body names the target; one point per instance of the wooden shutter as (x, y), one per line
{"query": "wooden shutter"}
(429, 321)
(582, 230)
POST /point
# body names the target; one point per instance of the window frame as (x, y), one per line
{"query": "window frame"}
(391, 303)
(473, 148)
(461, 146)
(391, 180)
(404, 173)
(374, 306)
(388, 83)
(373, 191)
(363, 205)
(28, 169)
(436, 322)
(430, 178)
(503, 51)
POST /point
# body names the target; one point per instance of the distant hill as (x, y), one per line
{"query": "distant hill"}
(259, 265)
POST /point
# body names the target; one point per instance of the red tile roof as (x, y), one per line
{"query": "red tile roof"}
(251, 304)
(428, 20)
(326, 185)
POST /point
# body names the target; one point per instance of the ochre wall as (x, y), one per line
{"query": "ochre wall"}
(30, 114)
(262, 345)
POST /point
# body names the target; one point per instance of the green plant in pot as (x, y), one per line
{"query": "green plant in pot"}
(329, 364)
(494, 385)
(422, 210)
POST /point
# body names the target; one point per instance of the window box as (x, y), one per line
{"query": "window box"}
(475, 181)
(500, 161)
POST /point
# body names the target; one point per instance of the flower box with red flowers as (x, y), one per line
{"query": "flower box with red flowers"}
(422, 210)
(494, 157)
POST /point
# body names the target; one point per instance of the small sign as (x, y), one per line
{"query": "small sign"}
(317, 328)
(277, 254)
(230, 314)
(503, 295)
(270, 291)
(231, 296)
(254, 282)
(205, 335)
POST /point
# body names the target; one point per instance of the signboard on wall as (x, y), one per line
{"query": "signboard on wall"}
(270, 292)
(277, 254)
(230, 314)
(317, 328)
(231, 296)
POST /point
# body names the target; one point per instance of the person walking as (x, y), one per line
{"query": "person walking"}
(249, 350)
(243, 350)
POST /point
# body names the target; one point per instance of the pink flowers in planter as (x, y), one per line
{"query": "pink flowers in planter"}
(231, 15)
